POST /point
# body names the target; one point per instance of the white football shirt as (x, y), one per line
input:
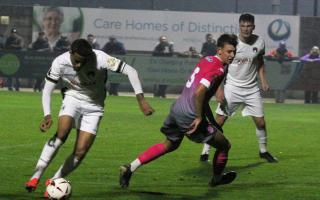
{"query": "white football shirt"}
(242, 72)
(88, 83)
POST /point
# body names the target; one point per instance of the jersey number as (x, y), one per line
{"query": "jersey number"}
(190, 81)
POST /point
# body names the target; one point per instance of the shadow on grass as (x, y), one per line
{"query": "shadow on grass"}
(205, 169)
(246, 167)
(135, 194)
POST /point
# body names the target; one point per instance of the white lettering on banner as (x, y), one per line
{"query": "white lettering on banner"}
(100, 23)
(133, 25)
(198, 27)
(139, 31)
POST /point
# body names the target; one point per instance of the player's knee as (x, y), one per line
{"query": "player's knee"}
(172, 145)
(260, 123)
(226, 145)
(223, 145)
(261, 126)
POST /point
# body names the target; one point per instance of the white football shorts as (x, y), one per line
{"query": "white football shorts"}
(86, 115)
(249, 98)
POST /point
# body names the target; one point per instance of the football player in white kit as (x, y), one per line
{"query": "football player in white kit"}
(241, 85)
(84, 71)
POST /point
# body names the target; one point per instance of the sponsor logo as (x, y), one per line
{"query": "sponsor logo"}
(209, 59)
(9, 64)
(279, 29)
(111, 62)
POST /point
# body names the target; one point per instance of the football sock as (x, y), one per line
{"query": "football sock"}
(70, 164)
(262, 139)
(134, 165)
(152, 153)
(48, 152)
(206, 149)
(219, 162)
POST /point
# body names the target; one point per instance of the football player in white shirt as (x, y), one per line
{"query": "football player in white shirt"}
(84, 71)
(241, 86)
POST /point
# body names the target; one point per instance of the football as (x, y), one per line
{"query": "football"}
(59, 189)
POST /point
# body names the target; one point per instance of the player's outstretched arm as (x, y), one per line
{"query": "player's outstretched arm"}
(136, 84)
(144, 105)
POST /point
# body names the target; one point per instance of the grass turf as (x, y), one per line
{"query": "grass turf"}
(124, 133)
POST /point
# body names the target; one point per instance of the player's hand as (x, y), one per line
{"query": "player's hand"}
(265, 87)
(146, 108)
(144, 105)
(194, 125)
(46, 123)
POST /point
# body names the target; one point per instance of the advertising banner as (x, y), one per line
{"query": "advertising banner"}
(165, 70)
(139, 30)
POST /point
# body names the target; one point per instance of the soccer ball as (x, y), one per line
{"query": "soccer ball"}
(59, 189)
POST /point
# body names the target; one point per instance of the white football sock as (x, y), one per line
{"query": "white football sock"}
(262, 140)
(48, 152)
(206, 149)
(70, 164)
(135, 164)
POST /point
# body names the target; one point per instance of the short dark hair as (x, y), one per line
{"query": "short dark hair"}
(82, 47)
(227, 39)
(246, 17)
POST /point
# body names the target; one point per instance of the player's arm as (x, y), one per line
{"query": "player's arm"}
(46, 102)
(210, 117)
(220, 94)
(119, 66)
(199, 97)
(51, 80)
(136, 84)
(262, 74)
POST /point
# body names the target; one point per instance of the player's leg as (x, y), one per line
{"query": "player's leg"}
(152, 153)
(87, 127)
(261, 133)
(204, 157)
(254, 107)
(83, 143)
(220, 160)
(49, 150)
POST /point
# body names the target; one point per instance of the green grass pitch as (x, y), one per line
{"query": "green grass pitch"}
(124, 132)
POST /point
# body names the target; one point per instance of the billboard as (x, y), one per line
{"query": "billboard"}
(139, 30)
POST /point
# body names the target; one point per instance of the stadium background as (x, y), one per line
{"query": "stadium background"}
(306, 10)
